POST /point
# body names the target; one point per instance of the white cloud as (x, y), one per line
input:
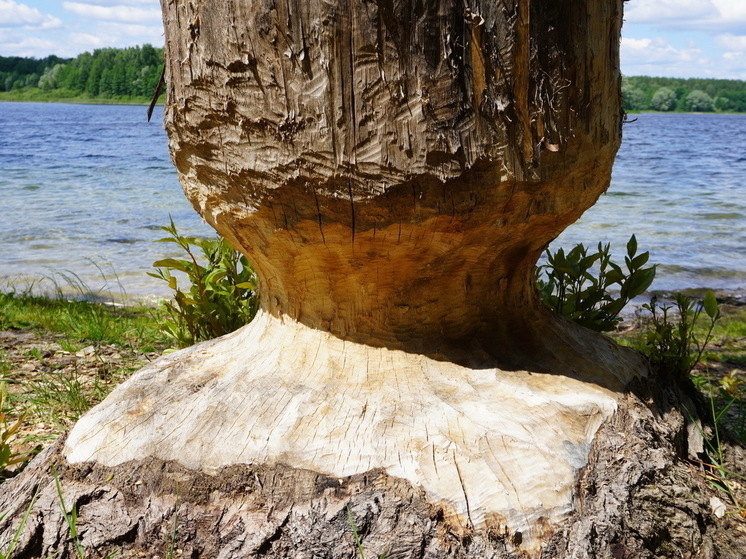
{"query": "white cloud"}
(688, 14)
(80, 42)
(120, 12)
(734, 64)
(732, 42)
(13, 14)
(734, 57)
(79, 34)
(127, 34)
(150, 3)
(731, 9)
(652, 51)
(658, 11)
(14, 44)
(657, 57)
(707, 35)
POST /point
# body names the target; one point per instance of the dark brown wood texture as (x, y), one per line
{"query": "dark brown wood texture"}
(394, 169)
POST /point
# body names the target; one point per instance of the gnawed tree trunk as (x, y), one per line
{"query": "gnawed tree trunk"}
(393, 170)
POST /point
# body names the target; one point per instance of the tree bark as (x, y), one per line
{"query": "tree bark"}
(394, 171)
(636, 498)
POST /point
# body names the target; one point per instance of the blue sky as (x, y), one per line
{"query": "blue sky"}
(676, 38)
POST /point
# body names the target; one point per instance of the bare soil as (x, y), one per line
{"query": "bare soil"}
(78, 379)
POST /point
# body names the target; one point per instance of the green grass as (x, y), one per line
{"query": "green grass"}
(34, 94)
(5, 365)
(80, 322)
(65, 396)
(729, 336)
(718, 374)
(721, 373)
(93, 346)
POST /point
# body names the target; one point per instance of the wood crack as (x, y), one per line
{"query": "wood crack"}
(352, 209)
(463, 488)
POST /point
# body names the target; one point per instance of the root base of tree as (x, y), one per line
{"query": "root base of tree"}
(496, 450)
(267, 442)
(636, 499)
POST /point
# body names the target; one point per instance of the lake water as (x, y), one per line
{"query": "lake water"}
(85, 189)
(678, 184)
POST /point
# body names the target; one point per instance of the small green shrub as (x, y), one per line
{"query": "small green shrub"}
(674, 342)
(222, 290)
(671, 340)
(578, 284)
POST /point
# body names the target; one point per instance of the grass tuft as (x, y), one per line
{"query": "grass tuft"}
(61, 354)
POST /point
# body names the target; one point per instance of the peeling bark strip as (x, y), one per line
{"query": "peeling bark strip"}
(393, 169)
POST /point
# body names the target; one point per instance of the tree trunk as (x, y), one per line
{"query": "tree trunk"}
(393, 170)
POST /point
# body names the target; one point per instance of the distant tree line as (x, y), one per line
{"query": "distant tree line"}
(111, 73)
(642, 93)
(105, 73)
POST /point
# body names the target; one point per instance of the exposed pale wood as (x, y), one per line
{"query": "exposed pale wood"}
(636, 499)
(497, 450)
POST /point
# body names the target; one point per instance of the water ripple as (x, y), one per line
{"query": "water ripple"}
(84, 182)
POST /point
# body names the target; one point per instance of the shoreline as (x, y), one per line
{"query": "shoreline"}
(138, 102)
(731, 297)
(50, 287)
(55, 368)
(652, 112)
(161, 102)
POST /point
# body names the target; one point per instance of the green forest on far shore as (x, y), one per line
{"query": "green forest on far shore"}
(697, 95)
(130, 75)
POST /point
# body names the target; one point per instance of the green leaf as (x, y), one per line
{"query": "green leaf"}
(640, 260)
(4, 456)
(214, 276)
(576, 254)
(221, 291)
(181, 265)
(614, 277)
(615, 307)
(639, 282)
(632, 246)
(589, 261)
(711, 305)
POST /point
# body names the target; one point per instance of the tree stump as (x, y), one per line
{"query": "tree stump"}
(393, 170)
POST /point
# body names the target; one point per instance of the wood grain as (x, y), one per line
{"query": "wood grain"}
(495, 450)
(393, 169)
